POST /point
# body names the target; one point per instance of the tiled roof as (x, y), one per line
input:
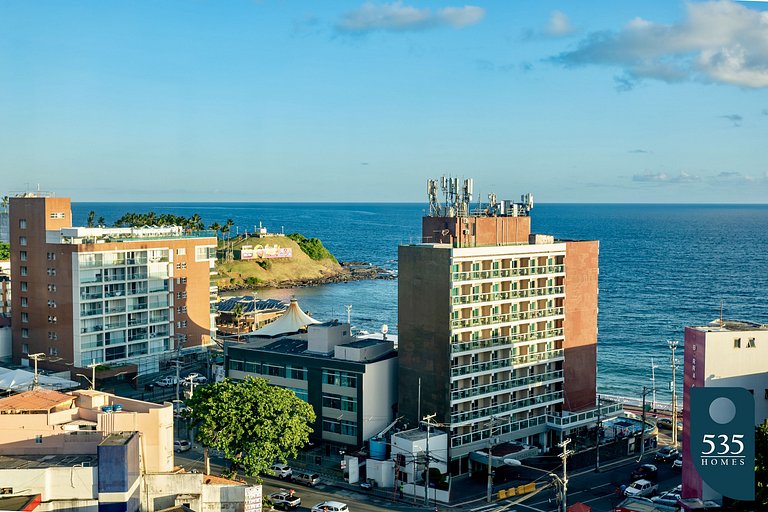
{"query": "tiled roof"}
(35, 400)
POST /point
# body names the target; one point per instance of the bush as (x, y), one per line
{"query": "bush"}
(265, 264)
(312, 247)
(251, 281)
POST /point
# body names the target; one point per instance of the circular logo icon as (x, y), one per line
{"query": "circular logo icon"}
(722, 410)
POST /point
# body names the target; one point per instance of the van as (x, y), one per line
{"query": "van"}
(309, 479)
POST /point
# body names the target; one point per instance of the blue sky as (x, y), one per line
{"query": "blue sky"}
(644, 101)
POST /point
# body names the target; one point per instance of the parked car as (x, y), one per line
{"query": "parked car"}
(309, 479)
(666, 424)
(641, 488)
(330, 506)
(368, 484)
(678, 463)
(646, 471)
(666, 454)
(167, 382)
(181, 446)
(284, 499)
(280, 470)
(196, 378)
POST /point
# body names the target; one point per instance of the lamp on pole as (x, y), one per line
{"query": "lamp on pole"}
(35, 357)
(673, 346)
(426, 421)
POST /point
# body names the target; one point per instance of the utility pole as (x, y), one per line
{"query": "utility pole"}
(597, 434)
(35, 358)
(564, 485)
(93, 366)
(349, 314)
(490, 463)
(673, 346)
(653, 384)
(642, 427)
(426, 421)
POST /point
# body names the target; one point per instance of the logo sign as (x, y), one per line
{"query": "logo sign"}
(253, 499)
(249, 252)
(723, 440)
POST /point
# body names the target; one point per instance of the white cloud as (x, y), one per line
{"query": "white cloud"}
(559, 25)
(717, 42)
(396, 17)
(661, 177)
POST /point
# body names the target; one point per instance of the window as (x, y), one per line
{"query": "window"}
(181, 251)
(23, 255)
(298, 373)
(24, 332)
(23, 240)
(51, 319)
(339, 378)
(181, 280)
(22, 223)
(52, 335)
(766, 393)
(23, 271)
(51, 287)
(235, 365)
(51, 271)
(39, 439)
(24, 302)
(51, 256)
(273, 370)
(737, 343)
(24, 317)
(23, 286)
(57, 215)
(51, 303)
(53, 351)
(25, 348)
(751, 343)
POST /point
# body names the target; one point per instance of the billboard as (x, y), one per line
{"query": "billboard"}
(250, 252)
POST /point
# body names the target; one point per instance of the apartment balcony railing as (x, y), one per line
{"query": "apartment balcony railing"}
(90, 279)
(506, 385)
(158, 319)
(158, 334)
(508, 408)
(508, 362)
(91, 296)
(474, 275)
(138, 291)
(91, 312)
(91, 328)
(137, 307)
(498, 430)
(139, 321)
(118, 309)
(505, 318)
(141, 260)
(114, 293)
(138, 276)
(159, 289)
(114, 325)
(500, 341)
(114, 278)
(607, 410)
(475, 298)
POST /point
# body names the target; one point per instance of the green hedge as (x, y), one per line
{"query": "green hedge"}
(312, 247)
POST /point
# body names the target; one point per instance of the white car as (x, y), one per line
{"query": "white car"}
(330, 506)
(167, 382)
(181, 446)
(284, 499)
(641, 488)
(196, 378)
(280, 470)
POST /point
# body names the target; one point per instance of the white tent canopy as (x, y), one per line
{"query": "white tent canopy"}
(22, 380)
(293, 320)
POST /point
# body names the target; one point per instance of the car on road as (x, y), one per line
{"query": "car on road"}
(678, 463)
(196, 378)
(666, 454)
(666, 424)
(330, 506)
(641, 488)
(368, 484)
(282, 471)
(181, 446)
(284, 499)
(308, 479)
(167, 382)
(646, 471)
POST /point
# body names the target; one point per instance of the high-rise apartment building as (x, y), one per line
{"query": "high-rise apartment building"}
(725, 353)
(497, 326)
(118, 296)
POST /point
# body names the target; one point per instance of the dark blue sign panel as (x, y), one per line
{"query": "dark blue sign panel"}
(723, 440)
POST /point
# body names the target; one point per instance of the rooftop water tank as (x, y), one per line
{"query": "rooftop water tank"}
(378, 448)
(106, 408)
(117, 407)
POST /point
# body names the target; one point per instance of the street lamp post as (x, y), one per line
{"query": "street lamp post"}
(35, 358)
(673, 346)
(561, 484)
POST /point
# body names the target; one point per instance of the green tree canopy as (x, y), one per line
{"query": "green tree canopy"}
(5, 251)
(252, 423)
(312, 247)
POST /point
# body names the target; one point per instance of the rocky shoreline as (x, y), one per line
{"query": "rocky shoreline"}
(350, 271)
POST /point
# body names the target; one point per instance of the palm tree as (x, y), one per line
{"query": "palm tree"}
(237, 312)
(6, 199)
(101, 222)
(91, 216)
(229, 225)
(196, 222)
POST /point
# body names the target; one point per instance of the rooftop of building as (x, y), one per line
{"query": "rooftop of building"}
(417, 434)
(250, 304)
(36, 400)
(730, 326)
(117, 439)
(85, 235)
(298, 344)
(46, 461)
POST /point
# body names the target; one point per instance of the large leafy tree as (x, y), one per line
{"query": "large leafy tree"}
(252, 423)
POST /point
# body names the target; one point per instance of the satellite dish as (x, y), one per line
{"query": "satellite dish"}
(384, 329)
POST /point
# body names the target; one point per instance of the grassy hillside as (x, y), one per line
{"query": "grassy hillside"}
(299, 268)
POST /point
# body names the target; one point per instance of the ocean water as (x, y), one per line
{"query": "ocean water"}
(662, 267)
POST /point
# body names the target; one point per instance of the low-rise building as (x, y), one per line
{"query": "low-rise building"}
(350, 381)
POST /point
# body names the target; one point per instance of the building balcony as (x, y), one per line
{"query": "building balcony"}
(607, 410)
(501, 341)
(485, 413)
(506, 363)
(91, 296)
(478, 298)
(507, 385)
(505, 318)
(498, 430)
(475, 275)
(91, 312)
